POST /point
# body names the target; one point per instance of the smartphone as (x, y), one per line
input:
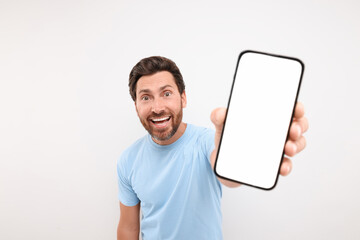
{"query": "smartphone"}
(259, 114)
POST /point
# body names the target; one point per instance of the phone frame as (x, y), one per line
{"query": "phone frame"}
(290, 122)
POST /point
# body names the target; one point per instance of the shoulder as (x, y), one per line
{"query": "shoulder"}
(201, 133)
(202, 140)
(203, 137)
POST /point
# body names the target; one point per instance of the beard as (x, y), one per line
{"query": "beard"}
(166, 133)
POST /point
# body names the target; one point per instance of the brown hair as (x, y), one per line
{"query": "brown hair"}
(151, 65)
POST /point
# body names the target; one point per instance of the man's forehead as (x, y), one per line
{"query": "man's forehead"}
(156, 81)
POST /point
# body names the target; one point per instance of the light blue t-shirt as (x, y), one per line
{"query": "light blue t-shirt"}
(178, 190)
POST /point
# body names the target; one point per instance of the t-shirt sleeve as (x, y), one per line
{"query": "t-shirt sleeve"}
(126, 194)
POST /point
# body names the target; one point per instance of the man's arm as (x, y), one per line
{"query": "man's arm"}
(129, 223)
(295, 144)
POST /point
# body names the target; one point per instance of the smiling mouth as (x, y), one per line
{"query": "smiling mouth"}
(160, 121)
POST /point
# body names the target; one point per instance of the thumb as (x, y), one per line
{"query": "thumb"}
(218, 118)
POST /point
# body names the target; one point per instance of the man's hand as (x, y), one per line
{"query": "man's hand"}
(295, 144)
(296, 141)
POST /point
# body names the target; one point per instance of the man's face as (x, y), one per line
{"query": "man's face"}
(159, 105)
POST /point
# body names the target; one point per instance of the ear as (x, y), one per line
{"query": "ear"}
(183, 99)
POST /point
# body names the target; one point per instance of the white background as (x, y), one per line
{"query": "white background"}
(66, 115)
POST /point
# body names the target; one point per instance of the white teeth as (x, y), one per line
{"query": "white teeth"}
(160, 119)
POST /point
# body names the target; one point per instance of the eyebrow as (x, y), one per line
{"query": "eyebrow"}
(166, 86)
(161, 89)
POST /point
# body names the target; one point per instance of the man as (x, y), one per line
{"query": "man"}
(169, 172)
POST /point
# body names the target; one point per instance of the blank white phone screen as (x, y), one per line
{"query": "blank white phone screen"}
(260, 111)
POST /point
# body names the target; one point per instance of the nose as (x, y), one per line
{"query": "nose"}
(158, 106)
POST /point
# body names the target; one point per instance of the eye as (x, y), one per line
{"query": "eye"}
(145, 98)
(167, 94)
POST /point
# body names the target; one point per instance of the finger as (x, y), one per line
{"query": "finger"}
(286, 167)
(298, 127)
(295, 131)
(300, 144)
(290, 148)
(299, 110)
(294, 147)
(303, 123)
